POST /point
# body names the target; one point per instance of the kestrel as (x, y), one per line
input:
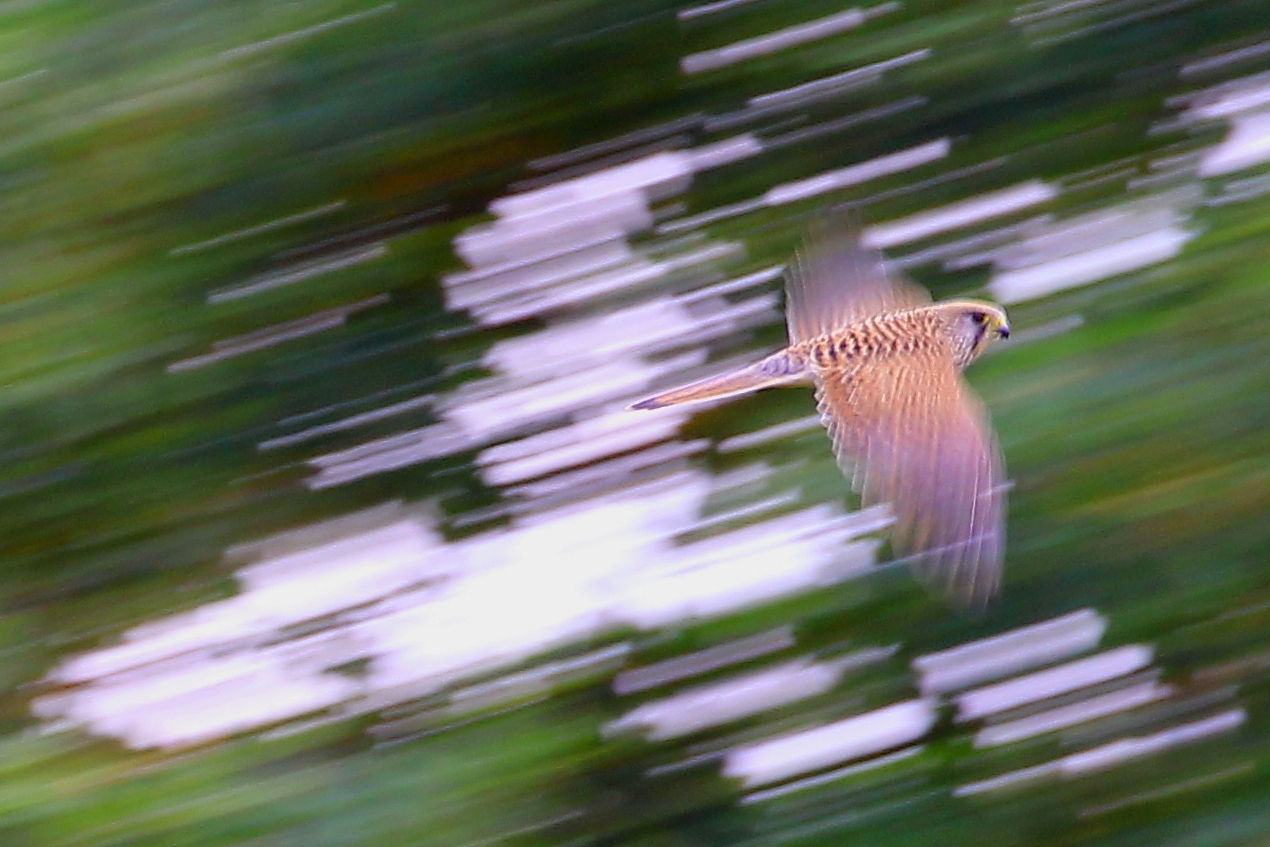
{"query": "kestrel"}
(886, 364)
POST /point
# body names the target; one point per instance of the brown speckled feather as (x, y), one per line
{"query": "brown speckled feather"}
(912, 434)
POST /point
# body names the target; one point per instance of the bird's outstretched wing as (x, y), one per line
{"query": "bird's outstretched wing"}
(834, 281)
(912, 433)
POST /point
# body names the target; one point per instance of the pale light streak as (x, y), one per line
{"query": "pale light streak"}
(276, 223)
(1229, 99)
(1071, 715)
(239, 345)
(729, 700)
(714, 658)
(1031, 12)
(1212, 63)
(775, 432)
(831, 776)
(1247, 144)
(1169, 790)
(956, 215)
(596, 249)
(1030, 283)
(301, 34)
(709, 8)
(385, 454)
(424, 614)
(891, 163)
(401, 407)
(836, 82)
(1042, 685)
(1111, 754)
(536, 680)
(782, 39)
(608, 474)
(854, 738)
(1001, 655)
(299, 273)
(614, 145)
(655, 176)
(1128, 749)
(519, 307)
(571, 446)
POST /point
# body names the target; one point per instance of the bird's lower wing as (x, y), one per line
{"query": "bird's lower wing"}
(912, 434)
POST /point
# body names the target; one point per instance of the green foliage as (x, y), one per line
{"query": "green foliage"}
(132, 135)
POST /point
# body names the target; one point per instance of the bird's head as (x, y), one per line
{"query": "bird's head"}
(974, 325)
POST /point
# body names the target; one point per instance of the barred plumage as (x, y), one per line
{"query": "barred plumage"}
(886, 364)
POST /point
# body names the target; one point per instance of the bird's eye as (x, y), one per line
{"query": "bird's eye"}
(979, 317)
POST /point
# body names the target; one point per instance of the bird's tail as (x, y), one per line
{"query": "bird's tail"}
(779, 369)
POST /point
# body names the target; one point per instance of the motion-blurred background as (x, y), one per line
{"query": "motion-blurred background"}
(322, 523)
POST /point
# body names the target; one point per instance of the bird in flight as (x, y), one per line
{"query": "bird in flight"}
(886, 364)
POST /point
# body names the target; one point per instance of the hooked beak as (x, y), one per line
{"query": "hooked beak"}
(1003, 331)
